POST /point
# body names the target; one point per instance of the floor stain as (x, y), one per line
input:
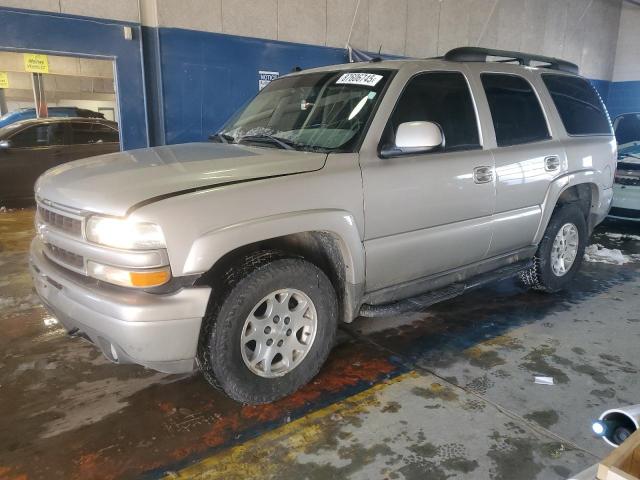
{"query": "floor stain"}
(513, 458)
(460, 464)
(545, 418)
(436, 391)
(392, 407)
(485, 359)
(537, 362)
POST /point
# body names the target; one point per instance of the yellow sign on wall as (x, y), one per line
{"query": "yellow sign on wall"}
(36, 63)
(4, 80)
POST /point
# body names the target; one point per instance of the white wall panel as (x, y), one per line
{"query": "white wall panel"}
(583, 31)
(43, 5)
(251, 18)
(627, 62)
(387, 26)
(124, 10)
(340, 17)
(454, 25)
(483, 23)
(302, 21)
(423, 18)
(203, 15)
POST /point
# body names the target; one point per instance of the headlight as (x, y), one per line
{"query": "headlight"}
(123, 233)
(129, 278)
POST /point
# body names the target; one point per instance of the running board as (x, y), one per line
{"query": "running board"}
(425, 300)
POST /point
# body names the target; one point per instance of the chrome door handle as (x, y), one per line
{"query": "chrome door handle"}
(483, 174)
(551, 163)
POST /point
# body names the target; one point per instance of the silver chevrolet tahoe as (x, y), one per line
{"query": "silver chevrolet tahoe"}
(361, 189)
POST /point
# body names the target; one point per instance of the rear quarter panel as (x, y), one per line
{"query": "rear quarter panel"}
(589, 159)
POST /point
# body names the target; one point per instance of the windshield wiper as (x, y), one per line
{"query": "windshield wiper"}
(222, 137)
(627, 155)
(265, 137)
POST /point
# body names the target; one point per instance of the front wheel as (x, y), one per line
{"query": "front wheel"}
(560, 252)
(272, 332)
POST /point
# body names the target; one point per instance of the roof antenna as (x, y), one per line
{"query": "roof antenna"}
(377, 58)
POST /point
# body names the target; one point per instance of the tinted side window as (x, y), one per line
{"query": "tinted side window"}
(39, 136)
(443, 98)
(85, 133)
(515, 109)
(578, 104)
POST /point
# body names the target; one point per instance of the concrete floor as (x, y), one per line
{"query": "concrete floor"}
(444, 394)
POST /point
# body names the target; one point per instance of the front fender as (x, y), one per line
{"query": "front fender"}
(213, 245)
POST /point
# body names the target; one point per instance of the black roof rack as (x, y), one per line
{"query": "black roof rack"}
(479, 54)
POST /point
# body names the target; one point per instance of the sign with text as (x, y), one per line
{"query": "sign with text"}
(4, 80)
(265, 78)
(36, 63)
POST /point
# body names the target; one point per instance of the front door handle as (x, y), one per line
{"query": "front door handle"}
(483, 174)
(551, 163)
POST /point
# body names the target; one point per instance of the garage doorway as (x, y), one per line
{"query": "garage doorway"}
(66, 87)
(54, 109)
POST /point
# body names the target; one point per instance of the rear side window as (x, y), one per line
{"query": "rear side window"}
(515, 109)
(443, 98)
(579, 105)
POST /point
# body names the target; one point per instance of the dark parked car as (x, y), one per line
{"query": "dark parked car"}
(30, 147)
(30, 113)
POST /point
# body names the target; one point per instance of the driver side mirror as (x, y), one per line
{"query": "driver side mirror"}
(5, 144)
(413, 138)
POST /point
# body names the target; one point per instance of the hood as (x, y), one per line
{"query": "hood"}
(112, 184)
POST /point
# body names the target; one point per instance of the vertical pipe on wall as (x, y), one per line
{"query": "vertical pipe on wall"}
(3, 102)
(353, 23)
(39, 95)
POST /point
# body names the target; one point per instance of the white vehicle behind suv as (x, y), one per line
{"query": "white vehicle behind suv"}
(626, 199)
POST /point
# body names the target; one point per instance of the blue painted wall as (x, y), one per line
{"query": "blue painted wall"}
(22, 30)
(620, 97)
(624, 97)
(205, 77)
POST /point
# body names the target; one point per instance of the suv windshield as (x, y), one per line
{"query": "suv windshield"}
(324, 111)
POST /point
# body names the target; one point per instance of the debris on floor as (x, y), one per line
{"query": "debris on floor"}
(599, 254)
(543, 380)
(623, 236)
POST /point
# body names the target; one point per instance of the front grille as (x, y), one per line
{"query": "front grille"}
(632, 181)
(64, 256)
(60, 222)
(625, 212)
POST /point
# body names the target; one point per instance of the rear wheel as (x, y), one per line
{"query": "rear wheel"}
(560, 252)
(271, 332)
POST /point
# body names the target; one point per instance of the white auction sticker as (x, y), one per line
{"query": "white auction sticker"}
(357, 78)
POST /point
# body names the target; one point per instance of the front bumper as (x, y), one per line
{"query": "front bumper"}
(626, 202)
(157, 331)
